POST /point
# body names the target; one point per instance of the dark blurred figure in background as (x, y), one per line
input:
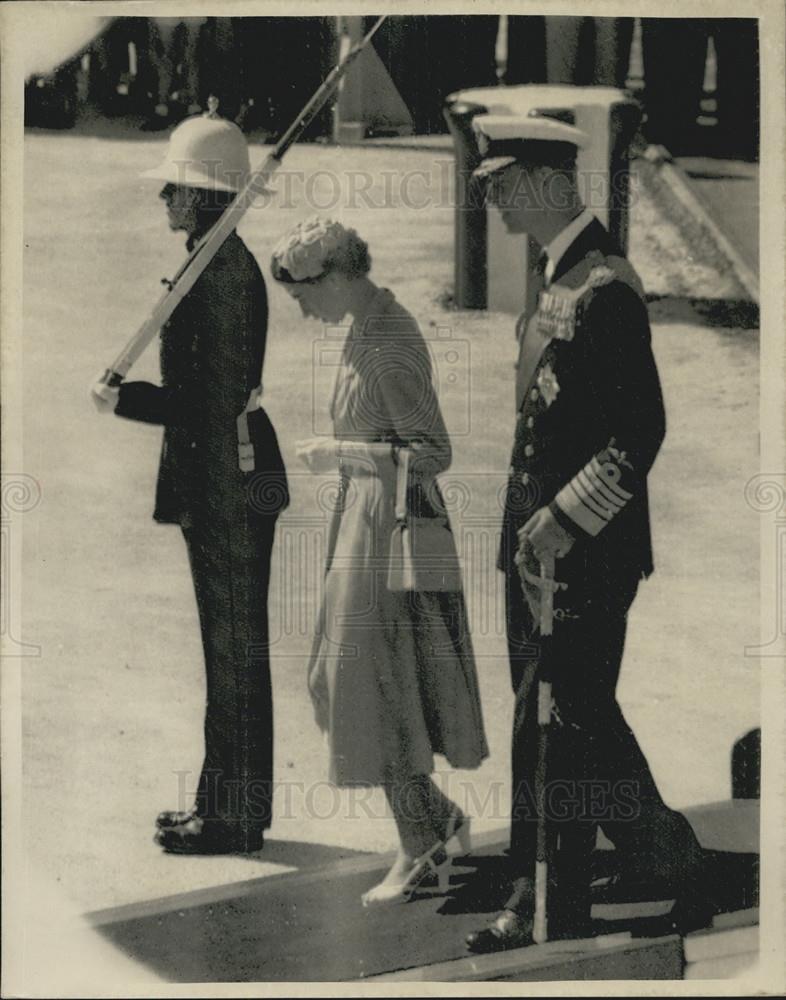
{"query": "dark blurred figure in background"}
(282, 61)
(163, 68)
(596, 51)
(52, 100)
(218, 59)
(674, 52)
(583, 51)
(736, 43)
(264, 69)
(525, 60)
(471, 41)
(172, 49)
(430, 57)
(588, 51)
(674, 55)
(113, 76)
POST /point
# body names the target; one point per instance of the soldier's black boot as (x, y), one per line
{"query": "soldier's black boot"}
(198, 836)
(173, 817)
(696, 901)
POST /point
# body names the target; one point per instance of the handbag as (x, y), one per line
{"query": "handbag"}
(422, 551)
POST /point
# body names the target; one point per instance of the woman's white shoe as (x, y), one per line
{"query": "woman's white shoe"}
(434, 861)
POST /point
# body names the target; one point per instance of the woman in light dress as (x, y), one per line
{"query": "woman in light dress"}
(392, 674)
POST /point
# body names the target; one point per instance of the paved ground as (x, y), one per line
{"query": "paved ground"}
(112, 707)
(729, 189)
(308, 926)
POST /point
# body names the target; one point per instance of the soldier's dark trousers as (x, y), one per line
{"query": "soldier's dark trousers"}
(230, 567)
(597, 773)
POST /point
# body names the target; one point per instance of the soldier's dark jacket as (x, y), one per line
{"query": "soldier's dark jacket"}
(590, 416)
(212, 352)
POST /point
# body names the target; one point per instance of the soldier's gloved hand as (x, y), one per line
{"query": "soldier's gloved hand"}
(108, 405)
(546, 535)
(319, 454)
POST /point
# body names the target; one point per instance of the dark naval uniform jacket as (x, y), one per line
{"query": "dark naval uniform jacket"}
(589, 424)
(590, 417)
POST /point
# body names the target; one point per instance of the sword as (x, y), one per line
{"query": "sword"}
(547, 587)
(208, 246)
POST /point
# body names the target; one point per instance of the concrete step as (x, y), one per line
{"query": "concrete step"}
(612, 957)
(309, 926)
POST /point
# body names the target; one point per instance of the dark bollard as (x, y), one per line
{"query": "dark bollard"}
(737, 49)
(470, 253)
(492, 266)
(674, 52)
(625, 120)
(746, 766)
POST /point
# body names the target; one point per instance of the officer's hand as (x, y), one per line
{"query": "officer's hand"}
(108, 404)
(546, 535)
(319, 454)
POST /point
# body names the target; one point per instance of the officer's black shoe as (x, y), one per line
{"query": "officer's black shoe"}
(171, 817)
(697, 896)
(509, 930)
(693, 910)
(199, 837)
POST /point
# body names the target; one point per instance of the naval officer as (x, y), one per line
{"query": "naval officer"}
(589, 423)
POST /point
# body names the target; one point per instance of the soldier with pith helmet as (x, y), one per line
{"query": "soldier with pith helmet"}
(212, 353)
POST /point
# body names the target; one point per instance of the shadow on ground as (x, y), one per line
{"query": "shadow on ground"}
(302, 854)
(721, 314)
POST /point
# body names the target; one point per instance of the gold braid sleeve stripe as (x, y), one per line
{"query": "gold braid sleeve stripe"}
(593, 496)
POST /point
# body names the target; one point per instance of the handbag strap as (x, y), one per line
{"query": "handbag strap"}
(402, 481)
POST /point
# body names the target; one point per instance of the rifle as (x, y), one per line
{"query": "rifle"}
(208, 246)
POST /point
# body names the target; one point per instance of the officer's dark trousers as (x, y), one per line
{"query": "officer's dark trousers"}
(597, 774)
(230, 567)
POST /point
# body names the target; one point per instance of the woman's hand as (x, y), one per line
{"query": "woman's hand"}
(319, 454)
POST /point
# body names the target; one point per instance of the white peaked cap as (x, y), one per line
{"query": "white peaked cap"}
(504, 139)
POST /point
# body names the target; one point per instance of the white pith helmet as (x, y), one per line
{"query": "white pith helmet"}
(205, 152)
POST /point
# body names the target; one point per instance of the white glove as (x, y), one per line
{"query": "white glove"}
(107, 401)
(319, 454)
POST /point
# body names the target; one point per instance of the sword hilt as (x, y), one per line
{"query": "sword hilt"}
(547, 595)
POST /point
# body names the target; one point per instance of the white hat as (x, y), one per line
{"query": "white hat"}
(506, 139)
(205, 152)
(302, 254)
